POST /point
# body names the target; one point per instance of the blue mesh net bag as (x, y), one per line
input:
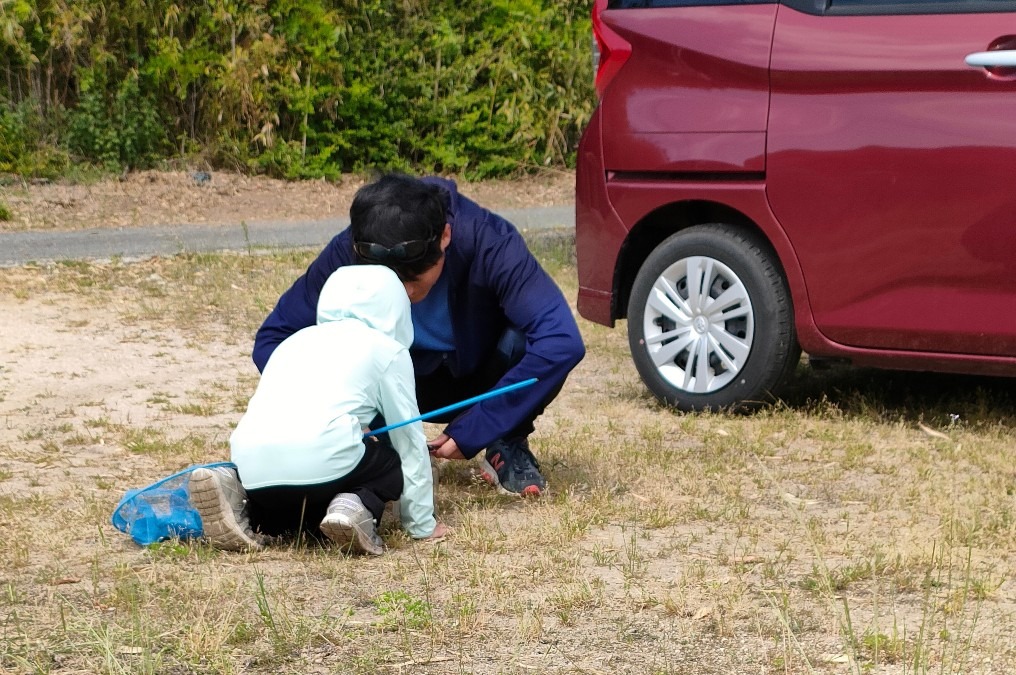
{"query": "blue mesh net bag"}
(162, 510)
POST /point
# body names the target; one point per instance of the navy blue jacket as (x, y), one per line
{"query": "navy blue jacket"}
(494, 281)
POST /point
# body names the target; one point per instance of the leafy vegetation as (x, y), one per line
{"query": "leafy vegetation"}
(293, 88)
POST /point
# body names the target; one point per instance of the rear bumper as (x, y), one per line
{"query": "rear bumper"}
(599, 232)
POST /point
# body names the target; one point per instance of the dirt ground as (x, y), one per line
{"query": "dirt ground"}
(182, 197)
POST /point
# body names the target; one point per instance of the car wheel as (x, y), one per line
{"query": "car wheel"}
(710, 321)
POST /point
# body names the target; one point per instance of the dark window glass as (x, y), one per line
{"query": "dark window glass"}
(862, 7)
(963, 5)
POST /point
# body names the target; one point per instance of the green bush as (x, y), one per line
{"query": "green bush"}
(124, 132)
(301, 88)
(25, 148)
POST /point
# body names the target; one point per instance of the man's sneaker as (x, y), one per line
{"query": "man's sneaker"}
(510, 465)
(221, 502)
(349, 524)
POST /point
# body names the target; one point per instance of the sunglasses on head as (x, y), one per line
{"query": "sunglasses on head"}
(404, 251)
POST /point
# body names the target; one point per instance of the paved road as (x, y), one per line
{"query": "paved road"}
(133, 243)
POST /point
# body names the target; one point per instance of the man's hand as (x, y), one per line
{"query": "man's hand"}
(444, 447)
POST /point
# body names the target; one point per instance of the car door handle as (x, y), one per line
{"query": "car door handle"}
(1001, 58)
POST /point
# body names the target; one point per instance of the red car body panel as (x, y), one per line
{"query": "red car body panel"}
(686, 106)
(602, 232)
(891, 169)
(877, 163)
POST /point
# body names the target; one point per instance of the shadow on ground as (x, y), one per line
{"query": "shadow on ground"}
(941, 399)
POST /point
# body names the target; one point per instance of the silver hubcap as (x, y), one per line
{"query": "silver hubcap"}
(699, 325)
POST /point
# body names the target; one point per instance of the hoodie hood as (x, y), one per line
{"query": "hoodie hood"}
(371, 294)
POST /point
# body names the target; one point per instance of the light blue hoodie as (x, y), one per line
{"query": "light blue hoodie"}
(324, 384)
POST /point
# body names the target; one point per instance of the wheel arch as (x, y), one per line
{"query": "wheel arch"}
(661, 223)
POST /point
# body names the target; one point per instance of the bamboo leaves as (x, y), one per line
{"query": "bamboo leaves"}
(303, 87)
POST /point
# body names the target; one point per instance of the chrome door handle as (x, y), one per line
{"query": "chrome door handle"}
(1002, 58)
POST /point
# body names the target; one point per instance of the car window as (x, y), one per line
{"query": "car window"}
(865, 7)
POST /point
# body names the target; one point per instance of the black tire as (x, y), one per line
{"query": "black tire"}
(690, 354)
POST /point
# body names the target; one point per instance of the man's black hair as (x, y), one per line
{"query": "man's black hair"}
(396, 208)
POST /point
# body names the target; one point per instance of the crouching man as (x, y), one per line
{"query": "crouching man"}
(485, 315)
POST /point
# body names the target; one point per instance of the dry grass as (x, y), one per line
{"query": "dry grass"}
(863, 525)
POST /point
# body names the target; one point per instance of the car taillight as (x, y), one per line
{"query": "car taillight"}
(610, 50)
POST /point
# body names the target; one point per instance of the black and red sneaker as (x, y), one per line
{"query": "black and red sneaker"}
(509, 464)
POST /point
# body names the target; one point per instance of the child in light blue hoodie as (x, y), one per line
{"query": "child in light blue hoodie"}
(300, 451)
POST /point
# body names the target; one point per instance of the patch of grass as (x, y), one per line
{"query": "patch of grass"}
(198, 409)
(159, 398)
(400, 609)
(176, 550)
(78, 440)
(879, 648)
(5, 213)
(100, 422)
(206, 405)
(32, 434)
(842, 578)
(555, 248)
(191, 448)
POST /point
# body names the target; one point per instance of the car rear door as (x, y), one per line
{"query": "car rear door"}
(892, 167)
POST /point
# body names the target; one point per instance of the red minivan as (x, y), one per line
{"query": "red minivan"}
(837, 176)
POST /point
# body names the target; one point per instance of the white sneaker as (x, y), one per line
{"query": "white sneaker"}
(348, 523)
(221, 502)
